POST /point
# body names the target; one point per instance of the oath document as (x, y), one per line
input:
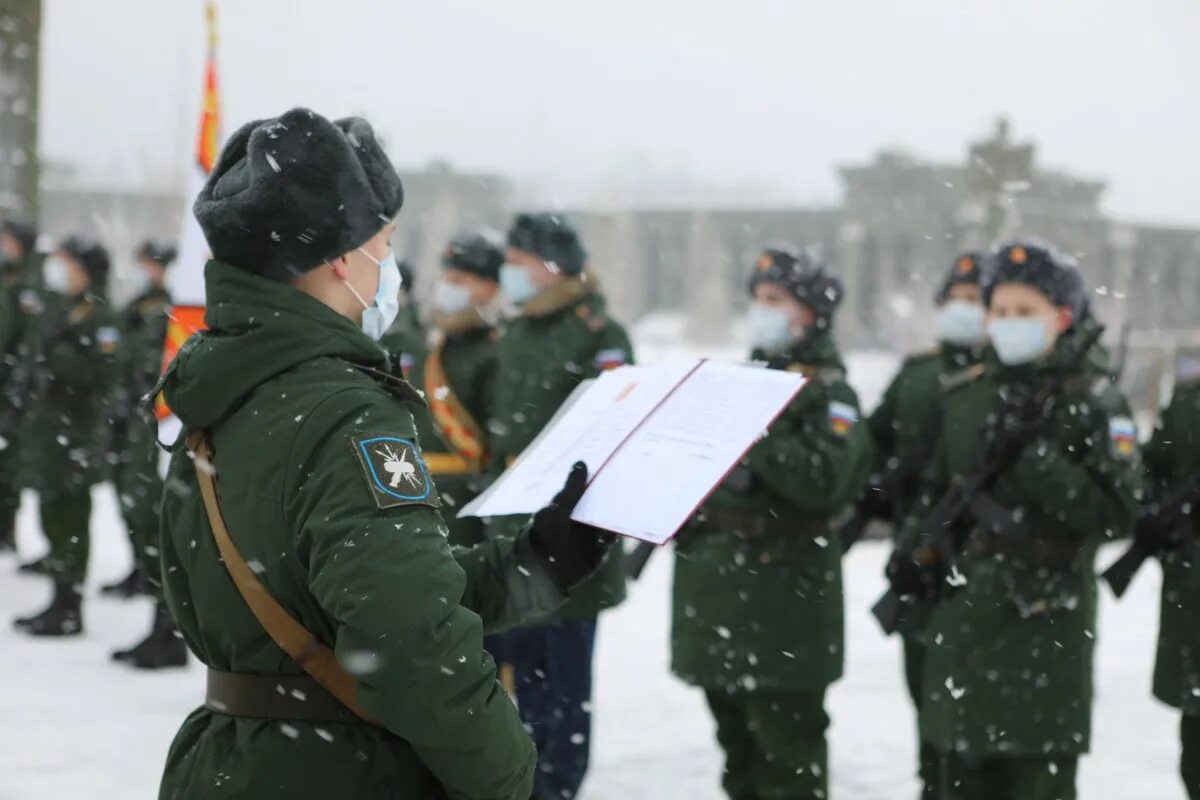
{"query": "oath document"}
(657, 441)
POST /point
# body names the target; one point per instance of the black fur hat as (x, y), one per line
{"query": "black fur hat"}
(156, 251)
(91, 255)
(964, 270)
(25, 234)
(290, 193)
(475, 253)
(1039, 265)
(803, 276)
(550, 237)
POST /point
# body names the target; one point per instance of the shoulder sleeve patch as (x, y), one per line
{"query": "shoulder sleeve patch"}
(610, 359)
(107, 338)
(1123, 436)
(842, 417)
(396, 474)
(30, 302)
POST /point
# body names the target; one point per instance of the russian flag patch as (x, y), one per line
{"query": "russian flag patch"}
(842, 417)
(1123, 436)
(610, 359)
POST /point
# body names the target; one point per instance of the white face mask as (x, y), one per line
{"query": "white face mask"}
(140, 283)
(57, 275)
(516, 284)
(450, 298)
(377, 318)
(1019, 340)
(960, 322)
(770, 328)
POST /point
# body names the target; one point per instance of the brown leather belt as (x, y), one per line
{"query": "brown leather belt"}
(760, 526)
(292, 698)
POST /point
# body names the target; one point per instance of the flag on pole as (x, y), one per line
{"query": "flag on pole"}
(187, 277)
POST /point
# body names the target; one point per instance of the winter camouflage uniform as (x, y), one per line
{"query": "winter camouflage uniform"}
(1173, 456)
(758, 617)
(1008, 672)
(904, 427)
(304, 421)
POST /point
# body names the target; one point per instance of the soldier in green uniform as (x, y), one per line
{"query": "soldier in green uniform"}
(1008, 666)
(561, 336)
(457, 376)
(138, 483)
(68, 429)
(405, 338)
(758, 617)
(304, 554)
(20, 275)
(1172, 458)
(904, 430)
(143, 324)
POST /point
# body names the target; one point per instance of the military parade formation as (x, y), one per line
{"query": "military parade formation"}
(362, 640)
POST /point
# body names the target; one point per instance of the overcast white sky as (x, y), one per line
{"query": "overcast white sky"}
(763, 92)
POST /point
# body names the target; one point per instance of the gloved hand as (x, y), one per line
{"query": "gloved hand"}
(1157, 532)
(876, 500)
(739, 480)
(571, 551)
(913, 573)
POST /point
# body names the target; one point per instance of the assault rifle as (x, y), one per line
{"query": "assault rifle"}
(1170, 515)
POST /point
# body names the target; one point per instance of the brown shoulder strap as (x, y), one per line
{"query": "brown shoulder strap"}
(293, 638)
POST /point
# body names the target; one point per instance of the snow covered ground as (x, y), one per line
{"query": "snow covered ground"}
(72, 725)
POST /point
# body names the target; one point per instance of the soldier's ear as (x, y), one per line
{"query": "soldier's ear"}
(1066, 318)
(341, 269)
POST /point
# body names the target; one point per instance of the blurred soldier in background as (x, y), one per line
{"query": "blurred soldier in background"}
(20, 278)
(1168, 526)
(1008, 667)
(138, 482)
(758, 617)
(458, 375)
(69, 426)
(904, 430)
(405, 339)
(561, 336)
(143, 324)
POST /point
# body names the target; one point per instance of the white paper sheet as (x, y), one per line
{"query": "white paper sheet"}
(593, 426)
(669, 466)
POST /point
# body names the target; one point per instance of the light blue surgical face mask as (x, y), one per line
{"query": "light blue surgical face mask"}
(450, 298)
(1019, 340)
(377, 318)
(516, 284)
(960, 323)
(770, 328)
(56, 275)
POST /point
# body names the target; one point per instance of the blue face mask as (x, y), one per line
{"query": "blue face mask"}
(377, 318)
(450, 298)
(1019, 340)
(516, 285)
(770, 328)
(960, 323)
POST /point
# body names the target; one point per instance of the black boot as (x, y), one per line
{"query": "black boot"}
(164, 647)
(64, 617)
(36, 567)
(131, 585)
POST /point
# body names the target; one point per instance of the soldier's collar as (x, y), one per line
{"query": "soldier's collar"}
(560, 295)
(460, 321)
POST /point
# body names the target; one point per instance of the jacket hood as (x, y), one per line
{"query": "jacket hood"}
(257, 329)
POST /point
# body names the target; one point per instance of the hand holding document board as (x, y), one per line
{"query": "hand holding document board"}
(657, 441)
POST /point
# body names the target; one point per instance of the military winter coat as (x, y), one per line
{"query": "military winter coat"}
(143, 326)
(457, 376)
(1008, 668)
(327, 497)
(562, 337)
(67, 435)
(1172, 456)
(758, 576)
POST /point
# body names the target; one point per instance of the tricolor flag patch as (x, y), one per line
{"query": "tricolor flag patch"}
(610, 359)
(842, 417)
(107, 338)
(1123, 436)
(406, 363)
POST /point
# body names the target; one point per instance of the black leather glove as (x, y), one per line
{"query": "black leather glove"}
(740, 480)
(1157, 532)
(876, 500)
(571, 551)
(913, 573)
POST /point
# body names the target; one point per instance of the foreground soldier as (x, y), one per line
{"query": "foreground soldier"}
(1172, 459)
(308, 488)
(758, 619)
(139, 487)
(68, 428)
(904, 429)
(561, 336)
(1008, 672)
(20, 275)
(457, 376)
